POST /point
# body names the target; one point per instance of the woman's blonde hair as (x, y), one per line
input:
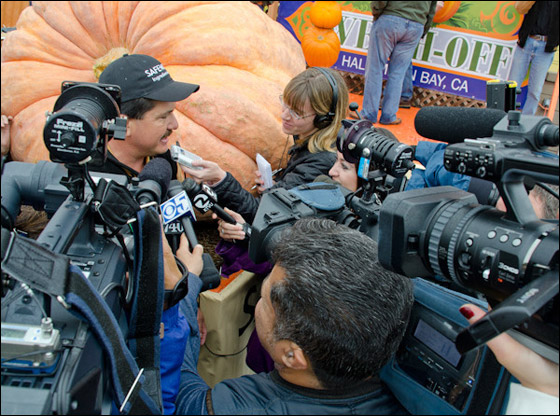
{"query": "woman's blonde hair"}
(312, 84)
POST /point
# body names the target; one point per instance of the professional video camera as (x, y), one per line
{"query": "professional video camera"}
(383, 162)
(512, 257)
(64, 329)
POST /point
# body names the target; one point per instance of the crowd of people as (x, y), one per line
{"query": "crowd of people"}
(329, 315)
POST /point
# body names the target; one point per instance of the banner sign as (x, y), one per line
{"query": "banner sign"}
(469, 44)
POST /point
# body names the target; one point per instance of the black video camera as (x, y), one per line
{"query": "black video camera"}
(511, 258)
(53, 359)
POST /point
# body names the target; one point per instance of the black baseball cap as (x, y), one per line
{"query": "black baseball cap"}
(142, 76)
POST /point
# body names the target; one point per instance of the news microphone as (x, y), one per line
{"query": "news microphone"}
(175, 188)
(455, 124)
(205, 199)
(153, 181)
(210, 276)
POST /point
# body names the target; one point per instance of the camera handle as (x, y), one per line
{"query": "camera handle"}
(513, 311)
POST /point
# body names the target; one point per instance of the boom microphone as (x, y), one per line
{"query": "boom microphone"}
(455, 124)
(154, 181)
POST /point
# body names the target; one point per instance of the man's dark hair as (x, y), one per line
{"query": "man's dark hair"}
(343, 309)
(136, 108)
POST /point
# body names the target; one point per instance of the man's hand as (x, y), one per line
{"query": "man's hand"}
(532, 370)
(193, 260)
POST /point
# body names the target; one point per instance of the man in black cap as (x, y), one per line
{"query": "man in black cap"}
(148, 100)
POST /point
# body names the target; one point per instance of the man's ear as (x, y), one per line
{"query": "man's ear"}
(292, 355)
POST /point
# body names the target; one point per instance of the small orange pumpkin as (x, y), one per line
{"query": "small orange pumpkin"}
(325, 14)
(447, 11)
(320, 46)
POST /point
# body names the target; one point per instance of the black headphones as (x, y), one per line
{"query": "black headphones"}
(322, 121)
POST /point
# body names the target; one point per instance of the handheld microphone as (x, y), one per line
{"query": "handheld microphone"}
(175, 188)
(210, 276)
(204, 199)
(455, 124)
(153, 181)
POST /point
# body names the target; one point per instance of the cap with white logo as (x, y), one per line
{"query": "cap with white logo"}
(142, 76)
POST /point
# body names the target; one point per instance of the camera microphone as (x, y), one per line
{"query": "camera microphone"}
(153, 181)
(455, 124)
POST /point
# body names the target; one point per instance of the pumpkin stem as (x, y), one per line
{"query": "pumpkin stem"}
(101, 63)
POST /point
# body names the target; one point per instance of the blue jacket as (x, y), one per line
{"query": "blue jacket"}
(430, 155)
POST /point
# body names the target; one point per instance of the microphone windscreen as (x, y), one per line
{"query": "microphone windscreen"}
(158, 170)
(328, 179)
(455, 124)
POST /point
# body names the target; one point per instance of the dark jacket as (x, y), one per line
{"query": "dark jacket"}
(303, 167)
(549, 9)
(418, 11)
(113, 165)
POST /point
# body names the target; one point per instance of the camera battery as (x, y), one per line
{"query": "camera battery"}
(30, 346)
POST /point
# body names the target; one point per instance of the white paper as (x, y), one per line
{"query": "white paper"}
(265, 170)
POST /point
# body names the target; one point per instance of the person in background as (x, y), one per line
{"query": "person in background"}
(330, 317)
(538, 40)
(397, 28)
(314, 103)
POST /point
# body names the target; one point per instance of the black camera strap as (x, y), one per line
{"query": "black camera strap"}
(51, 273)
(147, 299)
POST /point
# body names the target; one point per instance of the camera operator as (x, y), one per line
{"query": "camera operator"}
(148, 100)
(538, 392)
(329, 315)
(313, 105)
(430, 155)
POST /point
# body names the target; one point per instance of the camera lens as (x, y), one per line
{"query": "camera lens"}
(72, 133)
(358, 140)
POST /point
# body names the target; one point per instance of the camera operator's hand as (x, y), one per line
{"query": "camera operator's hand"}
(532, 370)
(231, 231)
(211, 173)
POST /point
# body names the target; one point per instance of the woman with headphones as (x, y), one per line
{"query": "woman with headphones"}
(314, 103)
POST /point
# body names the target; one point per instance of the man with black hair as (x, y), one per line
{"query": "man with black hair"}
(148, 100)
(329, 315)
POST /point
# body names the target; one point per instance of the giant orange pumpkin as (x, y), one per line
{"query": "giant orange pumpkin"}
(240, 57)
